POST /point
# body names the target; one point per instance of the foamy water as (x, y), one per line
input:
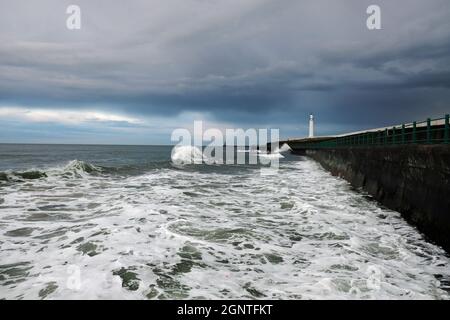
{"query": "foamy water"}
(204, 232)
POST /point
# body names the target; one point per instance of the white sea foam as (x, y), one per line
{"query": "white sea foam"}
(276, 154)
(270, 156)
(191, 234)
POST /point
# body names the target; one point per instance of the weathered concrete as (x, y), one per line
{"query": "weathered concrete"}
(413, 180)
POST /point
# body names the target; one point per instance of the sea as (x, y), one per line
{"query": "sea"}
(125, 222)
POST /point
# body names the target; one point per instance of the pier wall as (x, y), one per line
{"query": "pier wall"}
(411, 179)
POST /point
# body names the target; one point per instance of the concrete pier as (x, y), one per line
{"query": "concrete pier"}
(413, 180)
(406, 168)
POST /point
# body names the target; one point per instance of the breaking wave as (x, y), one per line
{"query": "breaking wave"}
(80, 168)
(74, 168)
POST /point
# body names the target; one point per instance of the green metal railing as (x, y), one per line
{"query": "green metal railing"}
(430, 131)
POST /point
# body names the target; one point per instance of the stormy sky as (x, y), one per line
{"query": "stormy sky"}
(138, 69)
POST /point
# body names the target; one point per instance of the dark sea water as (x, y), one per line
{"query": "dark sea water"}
(124, 222)
(32, 156)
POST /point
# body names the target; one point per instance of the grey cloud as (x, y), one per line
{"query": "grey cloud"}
(253, 62)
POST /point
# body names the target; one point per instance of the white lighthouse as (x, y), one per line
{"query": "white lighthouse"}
(311, 126)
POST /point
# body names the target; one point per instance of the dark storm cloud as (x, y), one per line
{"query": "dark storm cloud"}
(250, 62)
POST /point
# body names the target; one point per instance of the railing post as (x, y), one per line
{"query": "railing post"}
(393, 135)
(414, 133)
(385, 136)
(428, 130)
(447, 129)
(403, 133)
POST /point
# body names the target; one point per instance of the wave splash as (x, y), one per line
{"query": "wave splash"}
(284, 148)
(184, 155)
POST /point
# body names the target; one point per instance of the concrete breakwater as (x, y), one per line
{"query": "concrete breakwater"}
(411, 179)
